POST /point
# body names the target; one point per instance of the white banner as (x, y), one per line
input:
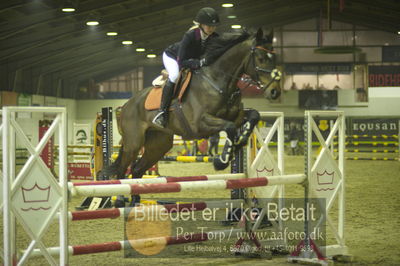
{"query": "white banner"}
(81, 137)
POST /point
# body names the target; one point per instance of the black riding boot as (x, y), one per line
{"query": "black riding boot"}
(161, 117)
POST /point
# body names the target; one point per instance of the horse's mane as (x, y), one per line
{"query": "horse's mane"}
(219, 45)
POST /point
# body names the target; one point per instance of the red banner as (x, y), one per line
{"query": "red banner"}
(79, 171)
(48, 150)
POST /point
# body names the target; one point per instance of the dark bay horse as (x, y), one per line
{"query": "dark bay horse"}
(211, 104)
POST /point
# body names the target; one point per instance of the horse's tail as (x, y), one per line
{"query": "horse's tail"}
(117, 161)
(118, 114)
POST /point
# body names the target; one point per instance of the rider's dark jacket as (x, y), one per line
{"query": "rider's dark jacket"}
(190, 47)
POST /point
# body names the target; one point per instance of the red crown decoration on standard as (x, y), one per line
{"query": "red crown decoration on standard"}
(270, 172)
(36, 194)
(325, 178)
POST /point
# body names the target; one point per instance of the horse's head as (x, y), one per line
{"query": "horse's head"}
(261, 65)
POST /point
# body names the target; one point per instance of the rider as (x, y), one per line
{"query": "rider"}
(186, 54)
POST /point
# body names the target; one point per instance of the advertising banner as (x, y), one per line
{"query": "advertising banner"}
(374, 126)
(384, 76)
(48, 151)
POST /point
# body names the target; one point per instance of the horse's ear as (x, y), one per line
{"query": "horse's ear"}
(259, 35)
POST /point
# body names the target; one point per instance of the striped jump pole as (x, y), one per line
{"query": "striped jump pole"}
(150, 209)
(137, 244)
(181, 158)
(369, 151)
(371, 159)
(161, 180)
(137, 189)
(188, 159)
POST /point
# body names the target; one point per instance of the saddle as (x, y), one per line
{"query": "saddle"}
(153, 99)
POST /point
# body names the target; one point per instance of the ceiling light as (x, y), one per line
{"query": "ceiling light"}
(140, 49)
(68, 9)
(236, 26)
(127, 42)
(398, 32)
(151, 56)
(227, 5)
(112, 33)
(231, 16)
(92, 23)
(68, 6)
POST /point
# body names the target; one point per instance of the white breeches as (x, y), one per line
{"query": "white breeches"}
(172, 67)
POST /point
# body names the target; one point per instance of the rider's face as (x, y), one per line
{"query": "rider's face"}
(208, 29)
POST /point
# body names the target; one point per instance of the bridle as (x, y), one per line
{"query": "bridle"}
(245, 78)
(275, 73)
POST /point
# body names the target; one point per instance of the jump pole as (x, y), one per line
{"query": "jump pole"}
(137, 189)
(168, 208)
(188, 159)
(160, 180)
(136, 243)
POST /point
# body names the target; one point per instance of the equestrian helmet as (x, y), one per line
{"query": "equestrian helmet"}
(207, 16)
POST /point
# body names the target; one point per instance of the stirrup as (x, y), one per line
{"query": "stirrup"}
(159, 119)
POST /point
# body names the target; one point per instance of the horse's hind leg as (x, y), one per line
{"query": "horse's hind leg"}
(115, 168)
(127, 154)
(156, 144)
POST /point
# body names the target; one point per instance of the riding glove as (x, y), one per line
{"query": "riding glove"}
(191, 63)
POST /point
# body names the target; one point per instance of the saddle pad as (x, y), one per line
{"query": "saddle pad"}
(184, 84)
(153, 99)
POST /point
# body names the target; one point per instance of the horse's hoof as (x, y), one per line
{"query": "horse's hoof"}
(135, 201)
(102, 176)
(119, 203)
(219, 164)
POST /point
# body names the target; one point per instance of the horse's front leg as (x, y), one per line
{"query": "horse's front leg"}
(214, 124)
(251, 118)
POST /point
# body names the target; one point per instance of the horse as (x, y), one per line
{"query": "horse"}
(211, 104)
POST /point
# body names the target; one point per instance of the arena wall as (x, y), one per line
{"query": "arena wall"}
(382, 101)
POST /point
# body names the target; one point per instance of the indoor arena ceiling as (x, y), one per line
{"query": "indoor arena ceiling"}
(47, 51)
